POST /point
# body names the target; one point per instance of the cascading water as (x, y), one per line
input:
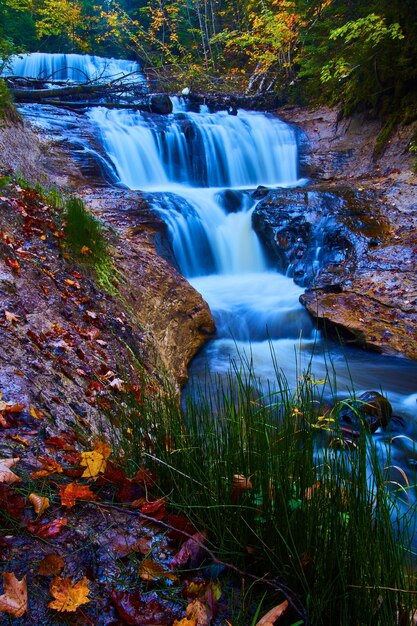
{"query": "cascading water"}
(203, 161)
(199, 171)
(73, 67)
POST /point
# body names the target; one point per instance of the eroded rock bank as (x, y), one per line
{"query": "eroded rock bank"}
(349, 236)
(154, 318)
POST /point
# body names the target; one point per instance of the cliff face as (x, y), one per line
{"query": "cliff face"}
(350, 234)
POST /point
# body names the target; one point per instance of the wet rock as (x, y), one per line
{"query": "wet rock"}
(160, 103)
(371, 410)
(306, 236)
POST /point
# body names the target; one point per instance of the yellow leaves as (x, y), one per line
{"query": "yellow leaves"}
(95, 460)
(6, 475)
(39, 503)
(15, 598)
(68, 596)
(152, 570)
(273, 615)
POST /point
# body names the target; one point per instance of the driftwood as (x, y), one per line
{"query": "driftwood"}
(120, 94)
(115, 95)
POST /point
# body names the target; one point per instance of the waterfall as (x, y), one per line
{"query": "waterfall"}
(198, 149)
(73, 67)
(200, 168)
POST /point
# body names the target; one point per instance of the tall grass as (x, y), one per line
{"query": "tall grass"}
(282, 494)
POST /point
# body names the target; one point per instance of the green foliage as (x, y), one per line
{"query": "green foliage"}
(282, 493)
(7, 109)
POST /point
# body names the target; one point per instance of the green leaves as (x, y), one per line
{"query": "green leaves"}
(371, 29)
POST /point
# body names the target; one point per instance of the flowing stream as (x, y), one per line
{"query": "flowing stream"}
(199, 171)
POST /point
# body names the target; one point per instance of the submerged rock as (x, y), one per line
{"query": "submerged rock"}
(371, 410)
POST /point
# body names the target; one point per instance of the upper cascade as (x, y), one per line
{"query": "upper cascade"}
(73, 67)
(198, 149)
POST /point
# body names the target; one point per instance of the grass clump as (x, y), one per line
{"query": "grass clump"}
(85, 238)
(283, 494)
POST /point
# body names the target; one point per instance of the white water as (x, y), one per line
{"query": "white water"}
(198, 149)
(73, 67)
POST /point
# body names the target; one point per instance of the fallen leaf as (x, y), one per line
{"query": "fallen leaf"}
(13, 407)
(95, 461)
(49, 466)
(20, 439)
(68, 596)
(39, 503)
(273, 615)
(11, 317)
(15, 598)
(134, 609)
(73, 491)
(152, 570)
(59, 442)
(51, 565)
(36, 413)
(14, 265)
(6, 475)
(199, 613)
(11, 502)
(185, 622)
(47, 529)
(191, 553)
(86, 250)
(155, 508)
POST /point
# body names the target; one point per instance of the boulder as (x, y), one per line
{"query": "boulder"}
(160, 103)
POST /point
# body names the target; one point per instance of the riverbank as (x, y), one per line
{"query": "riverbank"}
(368, 294)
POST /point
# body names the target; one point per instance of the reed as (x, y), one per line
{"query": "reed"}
(282, 493)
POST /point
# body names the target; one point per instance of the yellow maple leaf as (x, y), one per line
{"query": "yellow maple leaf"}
(94, 462)
(15, 597)
(68, 596)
